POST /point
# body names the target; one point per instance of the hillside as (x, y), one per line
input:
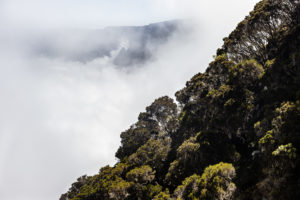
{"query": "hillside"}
(133, 45)
(235, 132)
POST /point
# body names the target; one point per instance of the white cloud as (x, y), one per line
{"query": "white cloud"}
(99, 13)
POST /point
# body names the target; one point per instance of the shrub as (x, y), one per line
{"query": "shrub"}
(214, 183)
(142, 175)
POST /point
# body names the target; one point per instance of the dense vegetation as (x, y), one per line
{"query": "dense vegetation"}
(235, 133)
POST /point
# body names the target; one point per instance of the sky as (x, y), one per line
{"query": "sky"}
(61, 119)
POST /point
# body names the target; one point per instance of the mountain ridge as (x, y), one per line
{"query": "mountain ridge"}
(140, 43)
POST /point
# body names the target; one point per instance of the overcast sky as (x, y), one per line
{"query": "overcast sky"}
(61, 119)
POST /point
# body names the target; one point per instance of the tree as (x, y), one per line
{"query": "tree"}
(252, 36)
(160, 119)
(141, 176)
(153, 153)
(214, 183)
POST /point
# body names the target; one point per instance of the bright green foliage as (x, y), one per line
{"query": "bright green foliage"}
(286, 123)
(221, 92)
(286, 151)
(118, 189)
(284, 161)
(257, 125)
(89, 189)
(187, 154)
(174, 172)
(151, 191)
(75, 188)
(260, 128)
(164, 195)
(109, 184)
(246, 73)
(141, 178)
(188, 147)
(269, 63)
(279, 146)
(189, 189)
(193, 155)
(214, 183)
(153, 153)
(220, 65)
(221, 58)
(115, 189)
(142, 175)
(108, 172)
(267, 139)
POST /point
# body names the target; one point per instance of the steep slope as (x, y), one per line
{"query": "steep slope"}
(235, 133)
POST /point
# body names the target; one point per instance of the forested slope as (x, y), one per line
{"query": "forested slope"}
(235, 132)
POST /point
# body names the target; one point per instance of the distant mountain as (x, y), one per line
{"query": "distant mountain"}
(125, 45)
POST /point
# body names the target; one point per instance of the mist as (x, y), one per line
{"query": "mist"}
(61, 115)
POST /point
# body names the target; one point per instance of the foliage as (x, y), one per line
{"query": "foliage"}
(260, 29)
(153, 153)
(285, 150)
(142, 175)
(246, 73)
(194, 154)
(160, 116)
(220, 92)
(214, 183)
(164, 195)
(268, 138)
(75, 188)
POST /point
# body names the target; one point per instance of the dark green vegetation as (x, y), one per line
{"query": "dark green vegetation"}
(235, 133)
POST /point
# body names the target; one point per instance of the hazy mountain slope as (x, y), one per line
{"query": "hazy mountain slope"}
(235, 133)
(127, 46)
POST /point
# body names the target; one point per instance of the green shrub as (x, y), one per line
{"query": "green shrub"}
(285, 151)
(142, 175)
(214, 183)
(267, 139)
